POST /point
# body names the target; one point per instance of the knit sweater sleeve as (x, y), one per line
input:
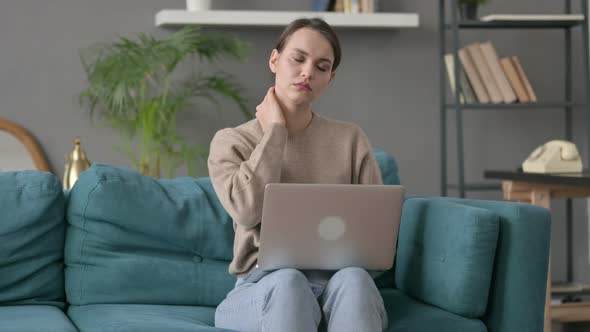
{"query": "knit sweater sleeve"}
(239, 173)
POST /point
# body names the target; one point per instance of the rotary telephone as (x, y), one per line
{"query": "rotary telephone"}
(554, 157)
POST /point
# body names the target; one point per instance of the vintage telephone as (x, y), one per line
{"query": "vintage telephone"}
(554, 157)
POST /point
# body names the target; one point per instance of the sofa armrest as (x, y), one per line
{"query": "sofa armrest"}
(517, 294)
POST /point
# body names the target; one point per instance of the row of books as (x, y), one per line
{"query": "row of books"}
(487, 78)
(346, 6)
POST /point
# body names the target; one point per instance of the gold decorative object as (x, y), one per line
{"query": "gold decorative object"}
(75, 165)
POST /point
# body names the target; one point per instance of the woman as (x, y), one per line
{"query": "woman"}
(289, 142)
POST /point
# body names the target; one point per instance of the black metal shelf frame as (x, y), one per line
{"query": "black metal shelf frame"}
(454, 26)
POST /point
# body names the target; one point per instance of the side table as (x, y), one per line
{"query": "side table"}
(539, 189)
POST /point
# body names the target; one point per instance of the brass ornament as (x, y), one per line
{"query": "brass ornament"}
(75, 165)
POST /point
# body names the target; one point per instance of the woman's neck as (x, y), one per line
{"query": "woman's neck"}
(297, 117)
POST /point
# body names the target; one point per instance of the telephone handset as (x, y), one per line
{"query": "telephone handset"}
(554, 157)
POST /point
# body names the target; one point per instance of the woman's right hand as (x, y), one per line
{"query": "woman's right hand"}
(269, 111)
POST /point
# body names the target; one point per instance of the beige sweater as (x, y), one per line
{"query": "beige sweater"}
(244, 159)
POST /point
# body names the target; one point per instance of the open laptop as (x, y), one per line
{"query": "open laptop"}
(329, 226)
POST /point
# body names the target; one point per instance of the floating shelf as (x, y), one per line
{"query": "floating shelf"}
(169, 17)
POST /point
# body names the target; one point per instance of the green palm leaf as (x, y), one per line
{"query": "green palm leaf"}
(131, 88)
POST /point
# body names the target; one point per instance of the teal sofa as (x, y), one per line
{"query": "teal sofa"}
(123, 252)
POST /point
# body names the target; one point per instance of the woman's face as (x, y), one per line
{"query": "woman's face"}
(303, 69)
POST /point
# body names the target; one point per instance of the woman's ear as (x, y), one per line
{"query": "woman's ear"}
(332, 76)
(272, 62)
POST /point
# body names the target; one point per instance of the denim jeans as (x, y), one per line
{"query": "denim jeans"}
(291, 300)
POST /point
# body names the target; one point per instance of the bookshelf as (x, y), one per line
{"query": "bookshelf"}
(450, 24)
(517, 106)
(454, 26)
(533, 24)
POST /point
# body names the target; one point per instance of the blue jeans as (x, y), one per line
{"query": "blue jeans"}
(291, 300)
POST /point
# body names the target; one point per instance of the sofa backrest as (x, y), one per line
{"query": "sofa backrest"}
(390, 175)
(32, 228)
(388, 167)
(135, 239)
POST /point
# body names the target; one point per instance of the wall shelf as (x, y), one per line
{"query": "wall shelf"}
(170, 18)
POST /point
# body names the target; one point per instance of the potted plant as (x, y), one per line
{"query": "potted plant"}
(468, 8)
(133, 87)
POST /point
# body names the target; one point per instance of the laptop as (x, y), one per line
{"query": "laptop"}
(329, 226)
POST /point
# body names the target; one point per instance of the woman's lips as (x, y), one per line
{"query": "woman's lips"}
(303, 86)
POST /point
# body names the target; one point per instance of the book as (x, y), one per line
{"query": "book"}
(320, 5)
(484, 72)
(514, 79)
(489, 53)
(467, 95)
(355, 6)
(367, 6)
(529, 17)
(525, 81)
(351, 6)
(473, 76)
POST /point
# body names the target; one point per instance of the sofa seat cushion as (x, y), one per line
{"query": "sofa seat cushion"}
(142, 318)
(408, 315)
(32, 230)
(128, 233)
(34, 318)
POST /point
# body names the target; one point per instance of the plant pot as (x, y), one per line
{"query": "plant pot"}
(468, 11)
(193, 5)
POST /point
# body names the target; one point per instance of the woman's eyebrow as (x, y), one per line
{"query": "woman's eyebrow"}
(298, 50)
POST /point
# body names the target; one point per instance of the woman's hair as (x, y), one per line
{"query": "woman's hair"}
(316, 24)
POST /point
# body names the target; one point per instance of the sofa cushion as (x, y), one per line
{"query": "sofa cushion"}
(32, 228)
(34, 318)
(142, 318)
(517, 293)
(136, 239)
(408, 315)
(388, 166)
(389, 173)
(445, 254)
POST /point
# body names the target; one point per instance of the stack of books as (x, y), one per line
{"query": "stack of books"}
(346, 6)
(486, 78)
